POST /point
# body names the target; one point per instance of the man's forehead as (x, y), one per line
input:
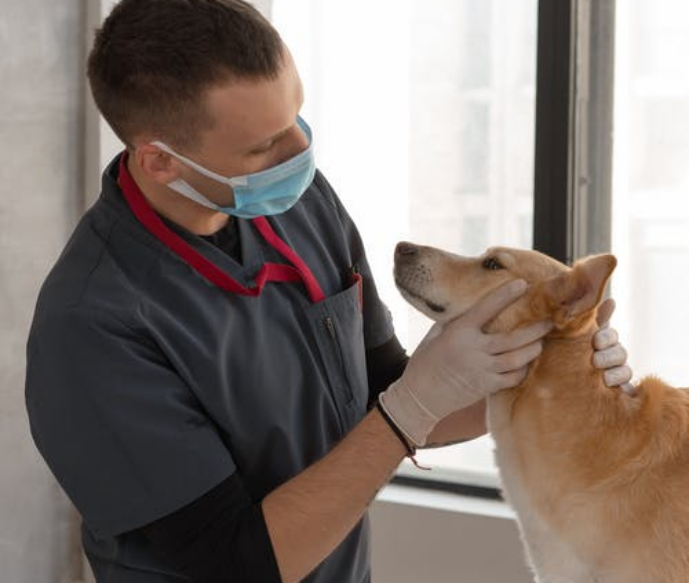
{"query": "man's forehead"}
(247, 112)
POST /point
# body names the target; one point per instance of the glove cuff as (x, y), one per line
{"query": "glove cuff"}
(404, 410)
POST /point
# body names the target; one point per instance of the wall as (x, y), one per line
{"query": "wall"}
(40, 193)
(422, 536)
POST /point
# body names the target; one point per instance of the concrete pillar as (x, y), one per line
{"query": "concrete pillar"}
(41, 149)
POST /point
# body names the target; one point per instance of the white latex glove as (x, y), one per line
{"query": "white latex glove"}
(458, 364)
(609, 355)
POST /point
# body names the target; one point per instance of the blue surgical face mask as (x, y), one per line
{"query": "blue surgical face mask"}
(268, 192)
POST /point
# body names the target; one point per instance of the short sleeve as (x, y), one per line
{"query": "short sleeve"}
(125, 437)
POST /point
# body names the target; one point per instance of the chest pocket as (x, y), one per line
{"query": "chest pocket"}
(338, 330)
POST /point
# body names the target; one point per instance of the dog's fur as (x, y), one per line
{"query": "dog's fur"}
(598, 476)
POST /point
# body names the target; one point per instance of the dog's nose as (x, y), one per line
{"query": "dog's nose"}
(404, 248)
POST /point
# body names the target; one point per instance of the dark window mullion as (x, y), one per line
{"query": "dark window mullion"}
(574, 127)
(553, 139)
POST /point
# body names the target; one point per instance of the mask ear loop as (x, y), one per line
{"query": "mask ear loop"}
(235, 181)
(182, 187)
(229, 181)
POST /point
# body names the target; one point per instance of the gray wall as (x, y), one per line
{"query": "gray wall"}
(41, 56)
(417, 543)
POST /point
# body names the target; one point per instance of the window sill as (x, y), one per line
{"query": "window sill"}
(445, 501)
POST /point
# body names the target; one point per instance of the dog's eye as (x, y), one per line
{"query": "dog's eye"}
(492, 264)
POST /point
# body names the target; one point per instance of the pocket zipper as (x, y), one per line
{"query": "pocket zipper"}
(338, 351)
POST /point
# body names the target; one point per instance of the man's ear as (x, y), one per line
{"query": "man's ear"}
(155, 164)
(579, 290)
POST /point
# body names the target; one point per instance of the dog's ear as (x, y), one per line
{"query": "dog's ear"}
(579, 290)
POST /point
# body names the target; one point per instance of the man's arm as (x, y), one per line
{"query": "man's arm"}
(460, 426)
(308, 516)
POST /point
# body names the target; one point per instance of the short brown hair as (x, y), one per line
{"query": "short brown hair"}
(152, 60)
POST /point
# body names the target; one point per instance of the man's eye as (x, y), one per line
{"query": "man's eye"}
(263, 149)
(492, 264)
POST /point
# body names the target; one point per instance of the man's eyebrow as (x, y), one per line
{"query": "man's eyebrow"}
(269, 140)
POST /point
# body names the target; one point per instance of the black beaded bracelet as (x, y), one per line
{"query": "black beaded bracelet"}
(411, 450)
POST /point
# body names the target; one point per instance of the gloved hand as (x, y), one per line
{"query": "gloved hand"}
(458, 364)
(609, 354)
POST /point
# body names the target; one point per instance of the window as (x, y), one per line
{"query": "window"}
(424, 120)
(651, 186)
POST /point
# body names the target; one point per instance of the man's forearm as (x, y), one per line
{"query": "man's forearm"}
(460, 426)
(308, 516)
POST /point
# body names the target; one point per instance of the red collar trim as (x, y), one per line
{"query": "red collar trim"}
(269, 272)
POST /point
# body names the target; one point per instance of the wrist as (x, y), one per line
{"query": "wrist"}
(407, 413)
(406, 444)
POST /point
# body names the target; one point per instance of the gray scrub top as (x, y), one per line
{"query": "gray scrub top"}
(147, 385)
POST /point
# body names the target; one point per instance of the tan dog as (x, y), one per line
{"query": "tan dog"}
(598, 477)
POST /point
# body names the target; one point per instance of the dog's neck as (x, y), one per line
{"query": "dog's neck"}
(567, 360)
(573, 337)
(563, 393)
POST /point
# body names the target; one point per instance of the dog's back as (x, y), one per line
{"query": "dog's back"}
(598, 498)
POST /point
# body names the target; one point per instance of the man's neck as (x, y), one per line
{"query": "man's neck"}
(178, 209)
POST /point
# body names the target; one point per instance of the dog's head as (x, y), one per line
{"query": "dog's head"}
(444, 286)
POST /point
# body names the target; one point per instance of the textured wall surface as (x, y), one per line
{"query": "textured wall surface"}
(41, 99)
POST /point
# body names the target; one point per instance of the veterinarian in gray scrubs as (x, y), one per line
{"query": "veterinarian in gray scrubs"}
(206, 355)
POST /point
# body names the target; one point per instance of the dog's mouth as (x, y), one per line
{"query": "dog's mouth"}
(433, 306)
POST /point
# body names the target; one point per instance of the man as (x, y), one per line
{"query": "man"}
(205, 353)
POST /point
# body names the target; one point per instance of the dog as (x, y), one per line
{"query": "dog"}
(598, 476)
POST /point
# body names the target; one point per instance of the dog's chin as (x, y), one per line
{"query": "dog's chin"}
(434, 310)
